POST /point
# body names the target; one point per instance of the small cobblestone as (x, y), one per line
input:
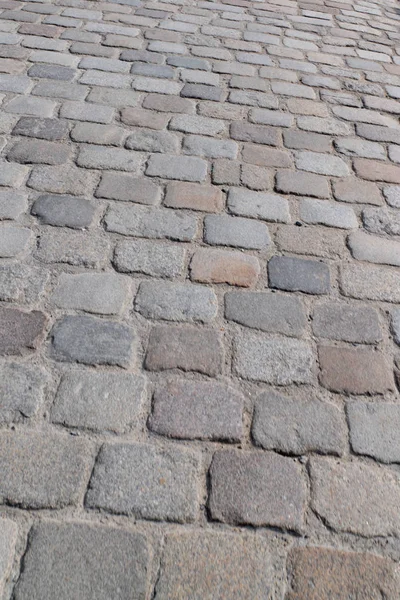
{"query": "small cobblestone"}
(296, 274)
(221, 266)
(145, 256)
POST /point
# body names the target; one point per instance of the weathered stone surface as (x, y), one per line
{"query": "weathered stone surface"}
(197, 410)
(13, 240)
(321, 242)
(148, 257)
(349, 323)
(146, 481)
(176, 301)
(293, 426)
(78, 248)
(21, 391)
(356, 190)
(12, 204)
(43, 471)
(372, 283)
(186, 348)
(66, 560)
(104, 293)
(185, 168)
(275, 313)
(381, 221)
(221, 266)
(354, 370)
(278, 361)
(257, 488)
(302, 184)
(356, 497)
(322, 212)
(99, 401)
(237, 566)
(319, 572)
(92, 341)
(296, 274)
(374, 249)
(194, 197)
(20, 331)
(9, 532)
(374, 430)
(62, 180)
(21, 283)
(64, 211)
(269, 207)
(223, 230)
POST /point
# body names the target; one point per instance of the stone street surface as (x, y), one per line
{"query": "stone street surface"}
(199, 300)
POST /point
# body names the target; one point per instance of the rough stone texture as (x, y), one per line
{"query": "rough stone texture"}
(64, 211)
(320, 572)
(92, 341)
(374, 430)
(103, 293)
(9, 532)
(98, 400)
(150, 258)
(255, 488)
(194, 197)
(20, 330)
(120, 186)
(275, 313)
(67, 560)
(20, 283)
(374, 249)
(221, 230)
(356, 497)
(221, 266)
(176, 302)
(237, 566)
(146, 481)
(372, 283)
(295, 274)
(354, 370)
(43, 471)
(293, 426)
(78, 248)
(21, 391)
(197, 410)
(269, 207)
(184, 348)
(349, 323)
(279, 361)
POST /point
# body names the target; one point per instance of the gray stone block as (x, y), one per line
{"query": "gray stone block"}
(13, 240)
(375, 430)
(259, 205)
(77, 559)
(12, 204)
(92, 341)
(21, 283)
(349, 323)
(20, 331)
(100, 401)
(21, 391)
(44, 129)
(64, 211)
(65, 179)
(223, 230)
(79, 248)
(103, 293)
(146, 481)
(148, 257)
(183, 168)
(9, 532)
(297, 274)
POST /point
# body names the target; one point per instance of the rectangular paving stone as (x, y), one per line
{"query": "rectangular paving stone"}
(194, 197)
(113, 96)
(369, 282)
(374, 430)
(237, 566)
(374, 170)
(29, 105)
(150, 222)
(209, 147)
(295, 426)
(347, 322)
(120, 186)
(39, 151)
(354, 370)
(21, 393)
(57, 89)
(12, 204)
(21, 283)
(293, 138)
(12, 174)
(259, 134)
(82, 111)
(185, 348)
(374, 249)
(103, 157)
(279, 361)
(197, 410)
(323, 164)
(184, 168)
(223, 230)
(45, 129)
(269, 207)
(144, 118)
(63, 211)
(317, 571)
(202, 91)
(274, 313)
(65, 179)
(14, 240)
(323, 212)
(92, 341)
(254, 488)
(149, 140)
(17, 84)
(352, 189)
(93, 133)
(302, 184)
(146, 481)
(20, 331)
(148, 257)
(355, 497)
(56, 72)
(43, 471)
(60, 561)
(100, 401)
(102, 293)
(222, 266)
(176, 301)
(295, 274)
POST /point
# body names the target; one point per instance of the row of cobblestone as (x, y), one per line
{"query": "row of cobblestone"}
(199, 299)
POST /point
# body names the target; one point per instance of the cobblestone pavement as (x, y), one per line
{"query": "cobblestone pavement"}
(200, 300)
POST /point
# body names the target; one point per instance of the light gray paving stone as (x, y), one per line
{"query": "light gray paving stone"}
(357, 147)
(17, 84)
(151, 222)
(103, 293)
(374, 249)
(295, 426)
(120, 186)
(374, 430)
(100, 401)
(253, 98)
(8, 544)
(197, 410)
(13, 240)
(54, 58)
(197, 125)
(21, 283)
(161, 86)
(269, 207)
(12, 174)
(104, 64)
(103, 157)
(65, 558)
(271, 117)
(39, 151)
(45, 129)
(395, 326)
(113, 96)
(12, 204)
(355, 497)
(323, 164)
(297, 274)
(148, 140)
(246, 572)
(278, 361)
(370, 282)
(20, 330)
(65, 179)
(256, 488)
(381, 221)
(146, 256)
(58, 89)
(92, 341)
(392, 195)
(349, 323)
(302, 184)
(323, 212)
(21, 391)
(209, 147)
(43, 471)
(146, 481)
(223, 230)
(183, 168)
(176, 301)
(94, 133)
(82, 111)
(328, 126)
(274, 313)
(29, 105)
(106, 79)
